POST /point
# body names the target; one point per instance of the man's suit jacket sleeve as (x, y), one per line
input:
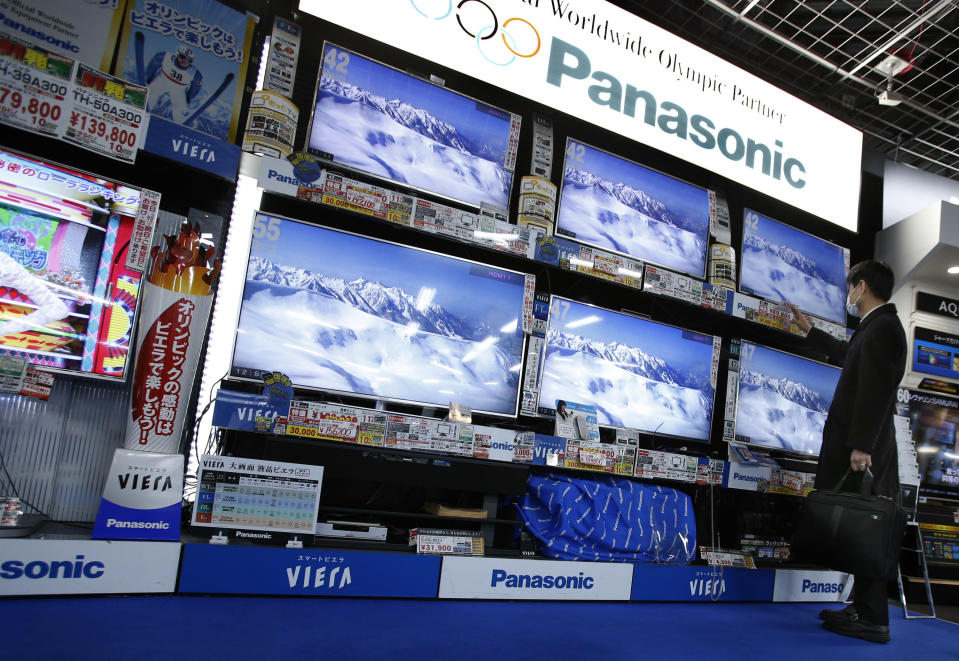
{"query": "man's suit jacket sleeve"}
(877, 379)
(827, 344)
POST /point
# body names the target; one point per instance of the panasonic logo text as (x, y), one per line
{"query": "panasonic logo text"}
(76, 568)
(820, 588)
(500, 578)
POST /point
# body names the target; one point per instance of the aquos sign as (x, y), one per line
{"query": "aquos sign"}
(593, 60)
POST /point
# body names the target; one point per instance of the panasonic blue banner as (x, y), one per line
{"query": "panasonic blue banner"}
(190, 147)
(244, 411)
(142, 497)
(651, 583)
(314, 572)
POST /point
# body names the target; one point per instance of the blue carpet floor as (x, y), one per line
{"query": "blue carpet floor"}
(179, 628)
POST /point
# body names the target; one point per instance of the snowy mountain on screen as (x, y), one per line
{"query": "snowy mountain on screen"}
(408, 115)
(631, 197)
(788, 255)
(625, 357)
(779, 272)
(393, 138)
(369, 338)
(390, 303)
(628, 387)
(791, 391)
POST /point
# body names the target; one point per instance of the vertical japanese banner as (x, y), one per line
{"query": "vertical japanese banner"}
(192, 55)
(84, 30)
(177, 298)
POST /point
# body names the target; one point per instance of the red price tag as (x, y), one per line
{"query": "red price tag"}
(34, 88)
(108, 114)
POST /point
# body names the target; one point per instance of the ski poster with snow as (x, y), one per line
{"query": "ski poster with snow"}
(86, 31)
(192, 55)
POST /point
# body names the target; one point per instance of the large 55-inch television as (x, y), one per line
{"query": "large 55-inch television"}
(639, 374)
(348, 314)
(615, 204)
(382, 121)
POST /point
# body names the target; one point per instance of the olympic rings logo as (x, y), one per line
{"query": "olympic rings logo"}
(481, 29)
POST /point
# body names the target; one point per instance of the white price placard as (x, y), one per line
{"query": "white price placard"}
(34, 87)
(108, 114)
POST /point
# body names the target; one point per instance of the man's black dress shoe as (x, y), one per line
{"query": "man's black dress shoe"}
(856, 627)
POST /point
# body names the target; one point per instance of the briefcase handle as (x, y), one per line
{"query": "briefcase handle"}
(865, 488)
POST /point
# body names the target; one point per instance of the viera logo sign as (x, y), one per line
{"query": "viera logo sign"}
(307, 576)
(704, 587)
(148, 482)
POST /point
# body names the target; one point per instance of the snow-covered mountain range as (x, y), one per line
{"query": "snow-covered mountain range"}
(627, 358)
(631, 197)
(408, 115)
(792, 391)
(390, 303)
(788, 255)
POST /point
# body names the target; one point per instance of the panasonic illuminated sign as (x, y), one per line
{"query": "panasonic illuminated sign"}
(593, 60)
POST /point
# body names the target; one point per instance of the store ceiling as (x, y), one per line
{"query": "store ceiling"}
(828, 53)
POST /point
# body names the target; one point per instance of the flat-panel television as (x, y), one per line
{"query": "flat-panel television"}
(67, 301)
(934, 421)
(935, 352)
(783, 399)
(781, 263)
(344, 313)
(615, 204)
(376, 119)
(639, 374)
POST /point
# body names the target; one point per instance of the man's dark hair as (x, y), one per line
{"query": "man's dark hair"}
(878, 276)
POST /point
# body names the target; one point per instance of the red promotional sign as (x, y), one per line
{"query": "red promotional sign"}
(159, 371)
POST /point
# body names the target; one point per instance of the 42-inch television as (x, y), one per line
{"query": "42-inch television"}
(348, 314)
(782, 399)
(615, 204)
(639, 374)
(781, 263)
(68, 300)
(382, 121)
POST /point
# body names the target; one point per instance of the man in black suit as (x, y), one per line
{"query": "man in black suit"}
(859, 432)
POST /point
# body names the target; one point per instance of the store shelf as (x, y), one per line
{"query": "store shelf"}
(330, 509)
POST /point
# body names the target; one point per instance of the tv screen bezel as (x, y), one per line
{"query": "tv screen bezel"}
(144, 276)
(742, 264)
(386, 180)
(739, 381)
(559, 209)
(543, 412)
(374, 398)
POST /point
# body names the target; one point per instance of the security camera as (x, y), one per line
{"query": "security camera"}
(888, 97)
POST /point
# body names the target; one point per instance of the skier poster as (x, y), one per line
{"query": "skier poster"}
(192, 55)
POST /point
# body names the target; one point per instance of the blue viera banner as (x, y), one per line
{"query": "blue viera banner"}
(660, 583)
(316, 572)
(192, 55)
(142, 497)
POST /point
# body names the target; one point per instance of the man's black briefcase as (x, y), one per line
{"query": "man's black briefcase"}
(856, 533)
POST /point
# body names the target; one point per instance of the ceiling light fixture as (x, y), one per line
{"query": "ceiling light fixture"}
(953, 270)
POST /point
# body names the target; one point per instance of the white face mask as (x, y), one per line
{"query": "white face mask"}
(851, 305)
